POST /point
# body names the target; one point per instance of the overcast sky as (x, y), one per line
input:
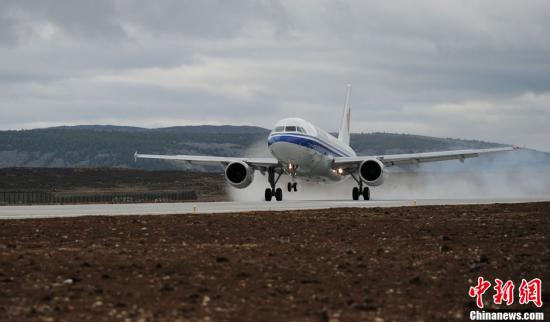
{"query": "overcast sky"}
(465, 69)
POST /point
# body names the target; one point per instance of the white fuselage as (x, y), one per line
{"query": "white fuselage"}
(307, 151)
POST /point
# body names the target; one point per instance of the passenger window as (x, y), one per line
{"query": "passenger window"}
(290, 129)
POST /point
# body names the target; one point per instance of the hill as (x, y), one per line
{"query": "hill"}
(114, 146)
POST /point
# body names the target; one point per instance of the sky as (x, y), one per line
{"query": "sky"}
(463, 69)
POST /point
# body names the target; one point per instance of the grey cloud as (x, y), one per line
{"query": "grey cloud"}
(208, 18)
(8, 33)
(87, 19)
(106, 20)
(151, 63)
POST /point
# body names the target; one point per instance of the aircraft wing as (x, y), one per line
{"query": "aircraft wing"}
(416, 158)
(256, 163)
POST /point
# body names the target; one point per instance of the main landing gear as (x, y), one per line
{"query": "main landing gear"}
(358, 191)
(273, 192)
(292, 185)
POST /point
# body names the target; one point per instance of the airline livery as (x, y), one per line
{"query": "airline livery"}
(302, 150)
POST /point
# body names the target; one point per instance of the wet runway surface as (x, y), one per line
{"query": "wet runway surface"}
(55, 211)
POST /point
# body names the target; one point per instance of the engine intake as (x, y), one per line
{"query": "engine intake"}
(239, 174)
(372, 172)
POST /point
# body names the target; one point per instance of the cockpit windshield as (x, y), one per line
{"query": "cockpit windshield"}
(295, 129)
(290, 128)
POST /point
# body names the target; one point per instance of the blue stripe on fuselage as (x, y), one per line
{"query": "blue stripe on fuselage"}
(308, 142)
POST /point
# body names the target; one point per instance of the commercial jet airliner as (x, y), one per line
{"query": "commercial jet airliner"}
(303, 151)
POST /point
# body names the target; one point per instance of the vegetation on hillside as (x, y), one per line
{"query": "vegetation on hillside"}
(113, 146)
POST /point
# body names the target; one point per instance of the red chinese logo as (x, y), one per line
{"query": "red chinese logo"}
(478, 290)
(504, 292)
(529, 292)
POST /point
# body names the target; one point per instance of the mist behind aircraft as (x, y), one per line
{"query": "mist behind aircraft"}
(523, 174)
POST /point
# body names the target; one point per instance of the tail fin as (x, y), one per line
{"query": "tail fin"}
(343, 134)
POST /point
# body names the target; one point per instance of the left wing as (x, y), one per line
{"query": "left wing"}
(256, 163)
(416, 158)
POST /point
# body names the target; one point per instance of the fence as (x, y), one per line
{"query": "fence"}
(19, 197)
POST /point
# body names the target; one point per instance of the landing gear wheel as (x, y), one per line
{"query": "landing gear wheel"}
(355, 193)
(292, 185)
(268, 194)
(279, 194)
(366, 193)
(359, 191)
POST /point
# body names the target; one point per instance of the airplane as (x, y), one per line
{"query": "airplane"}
(302, 150)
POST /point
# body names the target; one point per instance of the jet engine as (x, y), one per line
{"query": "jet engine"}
(239, 174)
(372, 172)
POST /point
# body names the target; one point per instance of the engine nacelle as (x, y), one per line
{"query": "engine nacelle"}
(372, 172)
(239, 174)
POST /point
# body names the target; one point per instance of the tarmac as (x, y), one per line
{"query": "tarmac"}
(59, 211)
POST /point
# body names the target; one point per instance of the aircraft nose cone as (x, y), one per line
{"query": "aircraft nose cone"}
(270, 141)
(284, 150)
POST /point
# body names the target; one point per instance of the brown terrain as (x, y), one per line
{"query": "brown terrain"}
(378, 264)
(207, 186)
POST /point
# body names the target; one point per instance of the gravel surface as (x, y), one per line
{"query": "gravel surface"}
(378, 264)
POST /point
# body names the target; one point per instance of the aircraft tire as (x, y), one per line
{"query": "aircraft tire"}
(268, 194)
(289, 186)
(355, 193)
(279, 194)
(366, 193)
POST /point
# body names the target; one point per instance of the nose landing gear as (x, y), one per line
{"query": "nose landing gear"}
(292, 185)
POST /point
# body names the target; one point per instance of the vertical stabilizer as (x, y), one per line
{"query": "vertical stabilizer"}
(343, 135)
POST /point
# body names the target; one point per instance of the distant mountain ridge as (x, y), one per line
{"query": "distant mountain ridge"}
(173, 129)
(114, 146)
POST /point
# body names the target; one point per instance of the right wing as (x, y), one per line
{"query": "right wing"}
(416, 158)
(256, 163)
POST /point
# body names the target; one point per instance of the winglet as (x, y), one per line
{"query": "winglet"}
(135, 156)
(343, 134)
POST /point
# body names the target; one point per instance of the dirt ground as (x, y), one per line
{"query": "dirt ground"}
(208, 186)
(378, 264)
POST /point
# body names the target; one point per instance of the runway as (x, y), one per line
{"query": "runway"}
(59, 211)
